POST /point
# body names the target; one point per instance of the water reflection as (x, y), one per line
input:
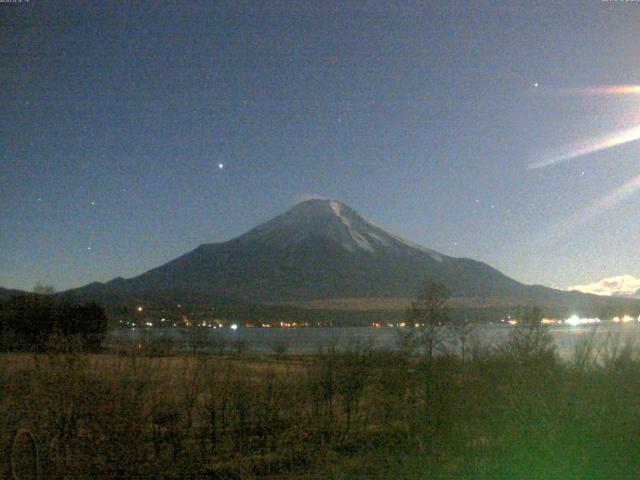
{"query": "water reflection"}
(309, 340)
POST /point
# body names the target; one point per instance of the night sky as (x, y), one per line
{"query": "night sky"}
(132, 133)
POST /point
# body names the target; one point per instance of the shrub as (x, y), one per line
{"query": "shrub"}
(35, 318)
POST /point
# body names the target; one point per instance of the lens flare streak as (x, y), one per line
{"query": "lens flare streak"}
(602, 143)
(604, 90)
(595, 209)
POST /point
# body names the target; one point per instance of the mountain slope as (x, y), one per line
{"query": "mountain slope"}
(318, 250)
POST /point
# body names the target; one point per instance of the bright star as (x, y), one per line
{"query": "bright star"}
(220, 166)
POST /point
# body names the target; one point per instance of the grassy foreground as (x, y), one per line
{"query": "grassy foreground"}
(362, 414)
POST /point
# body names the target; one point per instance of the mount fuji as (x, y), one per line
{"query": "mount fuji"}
(321, 251)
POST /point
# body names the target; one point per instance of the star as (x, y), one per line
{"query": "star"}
(93, 203)
(89, 248)
(536, 85)
(220, 166)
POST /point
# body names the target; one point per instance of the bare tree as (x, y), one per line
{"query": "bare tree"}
(425, 317)
(530, 339)
(461, 330)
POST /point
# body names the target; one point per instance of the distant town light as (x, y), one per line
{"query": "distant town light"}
(573, 320)
(234, 326)
(576, 320)
(623, 319)
(139, 309)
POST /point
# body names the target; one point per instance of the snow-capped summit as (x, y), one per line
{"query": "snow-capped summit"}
(319, 249)
(331, 220)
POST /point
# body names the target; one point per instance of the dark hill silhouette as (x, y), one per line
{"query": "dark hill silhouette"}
(8, 293)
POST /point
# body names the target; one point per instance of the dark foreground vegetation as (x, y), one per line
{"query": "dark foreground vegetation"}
(36, 322)
(513, 412)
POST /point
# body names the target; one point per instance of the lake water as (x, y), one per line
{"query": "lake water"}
(310, 340)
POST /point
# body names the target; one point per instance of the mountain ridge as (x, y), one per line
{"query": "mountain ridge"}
(319, 250)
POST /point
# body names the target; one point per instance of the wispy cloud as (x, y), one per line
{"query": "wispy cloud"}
(623, 285)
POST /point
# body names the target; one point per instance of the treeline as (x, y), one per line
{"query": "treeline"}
(40, 322)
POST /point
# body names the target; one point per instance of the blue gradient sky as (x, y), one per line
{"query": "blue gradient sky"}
(423, 117)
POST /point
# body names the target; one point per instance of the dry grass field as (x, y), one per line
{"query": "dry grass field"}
(511, 413)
